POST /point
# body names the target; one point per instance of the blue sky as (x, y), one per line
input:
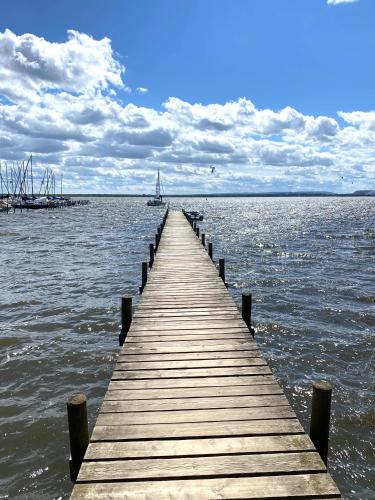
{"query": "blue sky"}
(306, 57)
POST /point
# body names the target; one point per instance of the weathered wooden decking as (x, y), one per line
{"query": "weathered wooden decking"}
(192, 410)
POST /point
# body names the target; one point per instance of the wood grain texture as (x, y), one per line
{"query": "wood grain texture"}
(285, 486)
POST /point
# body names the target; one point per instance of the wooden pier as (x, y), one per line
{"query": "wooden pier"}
(192, 410)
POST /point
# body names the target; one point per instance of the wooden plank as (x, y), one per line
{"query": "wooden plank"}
(188, 467)
(186, 338)
(167, 347)
(127, 356)
(207, 363)
(120, 417)
(178, 404)
(237, 488)
(196, 344)
(119, 390)
(166, 383)
(196, 447)
(191, 325)
(193, 372)
(196, 429)
(183, 333)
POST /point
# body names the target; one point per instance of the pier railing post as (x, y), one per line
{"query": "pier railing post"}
(222, 269)
(157, 240)
(246, 310)
(320, 417)
(126, 317)
(198, 232)
(151, 247)
(195, 226)
(144, 276)
(203, 238)
(210, 250)
(78, 432)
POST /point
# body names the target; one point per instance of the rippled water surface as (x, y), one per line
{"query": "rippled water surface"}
(308, 261)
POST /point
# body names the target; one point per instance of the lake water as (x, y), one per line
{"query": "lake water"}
(309, 263)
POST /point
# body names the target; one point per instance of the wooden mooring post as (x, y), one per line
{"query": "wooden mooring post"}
(210, 250)
(152, 254)
(320, 417)
(192, 409)
(126, 316)
(144, 276)
(78, 432)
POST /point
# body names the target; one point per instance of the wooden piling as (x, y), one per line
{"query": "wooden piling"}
(246, 307)
(203, 238)
(144, 276)
(126, 317)
(222, 269)
(320, 417)
(210, 250)
(78, 432)
(157, 240)
(152, 253)
(197, 232)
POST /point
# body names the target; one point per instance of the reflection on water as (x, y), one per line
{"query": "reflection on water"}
(308, 261)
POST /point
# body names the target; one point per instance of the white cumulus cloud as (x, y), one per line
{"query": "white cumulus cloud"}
(30, 65)
(58, 101)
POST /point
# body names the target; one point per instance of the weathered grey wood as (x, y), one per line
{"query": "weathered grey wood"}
(236, 488)
(191, 403)
(177, 356)
(164, 383)
(234, 465)
(119, 390)
(192, 400)
(190, 372)
(196, 447)
(175, 416)
(208, 363)
(196, 429)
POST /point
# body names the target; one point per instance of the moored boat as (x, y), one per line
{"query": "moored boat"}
(157, 200)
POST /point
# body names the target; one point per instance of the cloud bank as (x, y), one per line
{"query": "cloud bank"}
(60, 101)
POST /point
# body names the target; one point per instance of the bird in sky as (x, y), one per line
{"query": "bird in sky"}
(213, 169)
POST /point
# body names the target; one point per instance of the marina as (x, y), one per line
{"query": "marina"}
(19, 191)
(192, 408)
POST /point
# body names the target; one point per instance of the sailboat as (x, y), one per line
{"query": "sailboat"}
(157, 200)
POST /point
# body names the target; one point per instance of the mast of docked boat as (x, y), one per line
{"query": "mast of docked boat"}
(158, 186)
(32, 178)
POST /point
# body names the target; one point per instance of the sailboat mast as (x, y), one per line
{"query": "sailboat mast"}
(32, 178)
(158, 185)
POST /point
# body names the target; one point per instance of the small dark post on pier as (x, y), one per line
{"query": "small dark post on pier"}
(144, 276)
(222, 269)
(157, 240)
(126, 317)
(246, 309)
(194, 226)
(320, 417)
(210, 250)
(197, 232)
(78, 432)
(203, 237)
(151, 246)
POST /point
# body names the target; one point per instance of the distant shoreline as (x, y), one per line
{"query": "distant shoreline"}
(357, 194)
